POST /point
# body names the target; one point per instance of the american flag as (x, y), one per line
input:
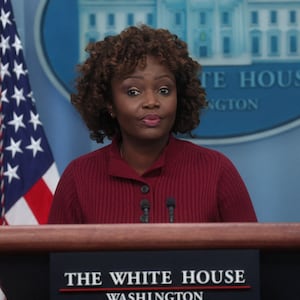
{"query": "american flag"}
(28, 173)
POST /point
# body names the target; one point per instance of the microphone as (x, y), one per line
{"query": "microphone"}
(171, 206)
(145, 206)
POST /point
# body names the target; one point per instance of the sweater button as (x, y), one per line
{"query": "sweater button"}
(145, 189)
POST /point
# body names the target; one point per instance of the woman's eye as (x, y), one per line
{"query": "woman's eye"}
(133, 92)
(164, 90)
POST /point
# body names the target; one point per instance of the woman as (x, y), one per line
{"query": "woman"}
(139, 88)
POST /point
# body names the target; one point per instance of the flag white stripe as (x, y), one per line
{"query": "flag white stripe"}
(2, 296)
(51, 178)
(20, 214)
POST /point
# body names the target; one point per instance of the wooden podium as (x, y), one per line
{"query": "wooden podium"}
(24, 250)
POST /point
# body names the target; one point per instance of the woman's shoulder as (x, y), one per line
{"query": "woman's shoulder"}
(192, 146)
(205, 156)
(98, 156)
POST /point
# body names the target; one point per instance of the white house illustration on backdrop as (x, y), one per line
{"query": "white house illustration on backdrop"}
(218, 32)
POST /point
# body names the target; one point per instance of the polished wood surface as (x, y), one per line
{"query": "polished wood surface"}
(47, 238)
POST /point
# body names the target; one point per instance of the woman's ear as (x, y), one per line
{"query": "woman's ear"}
(110, 110)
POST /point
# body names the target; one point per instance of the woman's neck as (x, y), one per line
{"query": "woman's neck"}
(141, 155)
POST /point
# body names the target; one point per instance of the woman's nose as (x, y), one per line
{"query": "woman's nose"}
(151, 99)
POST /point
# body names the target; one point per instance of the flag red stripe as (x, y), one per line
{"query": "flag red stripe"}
(39, 199)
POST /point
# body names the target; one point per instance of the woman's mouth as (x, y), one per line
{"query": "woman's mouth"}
(151, 120)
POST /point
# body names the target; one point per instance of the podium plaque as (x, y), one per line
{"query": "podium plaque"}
(156, 275)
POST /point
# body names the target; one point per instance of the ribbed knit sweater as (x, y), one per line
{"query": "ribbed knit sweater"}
(100, 187)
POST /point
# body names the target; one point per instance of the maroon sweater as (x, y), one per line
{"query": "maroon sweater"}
(100, 187)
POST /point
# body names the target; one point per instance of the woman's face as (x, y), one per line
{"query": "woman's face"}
(145, 102)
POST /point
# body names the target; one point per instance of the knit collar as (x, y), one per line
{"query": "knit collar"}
(120, 168)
